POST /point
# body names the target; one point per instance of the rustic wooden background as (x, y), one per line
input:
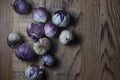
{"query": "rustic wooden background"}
(94, 56)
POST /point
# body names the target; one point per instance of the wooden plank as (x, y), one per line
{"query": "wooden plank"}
(5, 29)
(94, 56)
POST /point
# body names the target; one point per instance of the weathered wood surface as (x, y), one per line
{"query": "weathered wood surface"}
(94, 56)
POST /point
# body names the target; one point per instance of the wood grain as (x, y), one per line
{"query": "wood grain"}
(94, 55)
(5, 29)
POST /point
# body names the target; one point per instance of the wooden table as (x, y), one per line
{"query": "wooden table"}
(94, 56)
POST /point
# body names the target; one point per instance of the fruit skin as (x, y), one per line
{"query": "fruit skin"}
(65, 36)
(42, 46)
(48, 60)
(25, 52)
(40, 14)
(61, 18)
(21, 7)
(35, 31)
(50, 30)
(34, 72)
(14, 39)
